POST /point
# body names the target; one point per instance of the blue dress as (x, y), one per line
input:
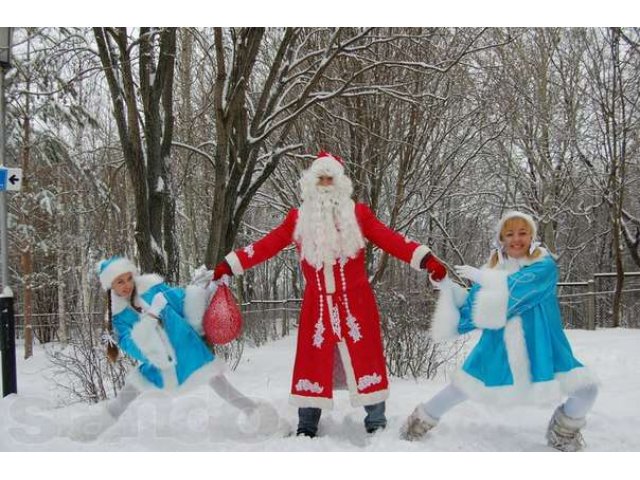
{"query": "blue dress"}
(522, 353)
(190, 351)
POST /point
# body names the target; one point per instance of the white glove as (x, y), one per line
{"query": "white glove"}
(467, 271)
(157, 304)
(201, 276)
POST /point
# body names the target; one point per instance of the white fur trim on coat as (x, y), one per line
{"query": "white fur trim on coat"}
(517, 352)
(114, 270)
(302, 401)
(169, 378)
(147, 281)
(195, 304)
(349, 374)
(492, 300)
(549, 392)
(234, 262)
(198, 378)
(138, 381)
(418, 255)
(118, 303)
(365, 399)
(523, 389)
(153, 342)
(518, 358)
(205, 373)
(446, 317)
(356, 398)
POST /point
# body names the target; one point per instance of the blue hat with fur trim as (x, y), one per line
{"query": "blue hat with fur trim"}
(113, 267)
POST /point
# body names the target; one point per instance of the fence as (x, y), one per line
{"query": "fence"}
(264, 320)
(586, 305)
(589, 304)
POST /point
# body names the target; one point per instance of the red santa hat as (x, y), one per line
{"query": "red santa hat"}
(327, 164)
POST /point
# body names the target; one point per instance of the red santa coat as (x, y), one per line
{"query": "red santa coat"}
(338, 311)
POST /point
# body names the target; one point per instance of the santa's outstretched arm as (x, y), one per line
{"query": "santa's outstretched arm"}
(262, 250)
(394, 243)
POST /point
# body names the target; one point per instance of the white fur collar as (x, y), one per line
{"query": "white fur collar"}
(147, 281)
(118, 303)
(143, 284)
(514, 264)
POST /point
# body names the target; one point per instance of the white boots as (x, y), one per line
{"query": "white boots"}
(417, 425)
(563, 432)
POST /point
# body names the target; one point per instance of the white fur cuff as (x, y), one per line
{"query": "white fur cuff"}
(195, 304)
(234, 262)
(492, 300)
(418, 255)
(444, 324)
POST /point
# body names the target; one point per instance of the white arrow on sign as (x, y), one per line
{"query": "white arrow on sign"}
(14, 179)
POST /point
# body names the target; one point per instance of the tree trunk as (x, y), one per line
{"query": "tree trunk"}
(147, 167)
(26, 260)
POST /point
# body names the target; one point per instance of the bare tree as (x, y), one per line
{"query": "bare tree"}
(145, 133)
(613, 88)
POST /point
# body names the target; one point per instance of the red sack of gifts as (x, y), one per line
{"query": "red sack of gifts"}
(222, 321)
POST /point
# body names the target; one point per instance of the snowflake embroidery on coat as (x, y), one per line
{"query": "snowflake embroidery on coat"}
(367, 380)
(354, 328)
(306, 385)
(335, 321)
(249, 250)
(317, 336)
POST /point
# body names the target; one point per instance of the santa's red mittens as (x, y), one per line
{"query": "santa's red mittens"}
(437, 271)
(222, 269)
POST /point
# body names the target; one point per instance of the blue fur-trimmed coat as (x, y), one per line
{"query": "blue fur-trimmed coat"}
(523, 353)
(178, 338)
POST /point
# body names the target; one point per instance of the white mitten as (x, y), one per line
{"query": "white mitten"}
(157, 304)
(201, 276)
(467, 271)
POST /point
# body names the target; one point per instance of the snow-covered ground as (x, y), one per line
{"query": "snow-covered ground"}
(198, 420)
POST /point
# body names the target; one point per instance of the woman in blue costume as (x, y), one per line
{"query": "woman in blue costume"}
(522, 354)
(160, 327)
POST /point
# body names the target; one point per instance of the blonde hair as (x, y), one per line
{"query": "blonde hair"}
(514, 222)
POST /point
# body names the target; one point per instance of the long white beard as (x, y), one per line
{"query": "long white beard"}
(327, 228)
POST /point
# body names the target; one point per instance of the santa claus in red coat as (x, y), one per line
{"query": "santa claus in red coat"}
(339, 308)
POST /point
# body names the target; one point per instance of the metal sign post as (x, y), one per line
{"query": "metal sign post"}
(7, 320)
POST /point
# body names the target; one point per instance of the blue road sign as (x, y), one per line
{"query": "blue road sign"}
(10, 179)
